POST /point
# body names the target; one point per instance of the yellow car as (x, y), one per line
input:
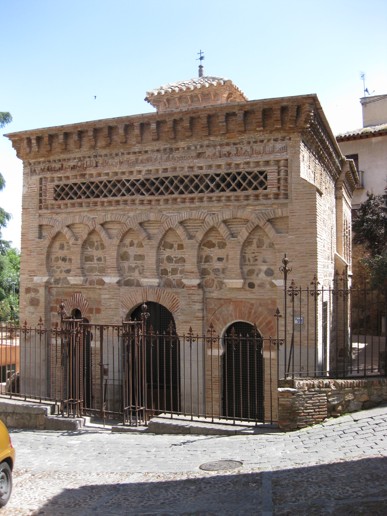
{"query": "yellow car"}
(7, 460)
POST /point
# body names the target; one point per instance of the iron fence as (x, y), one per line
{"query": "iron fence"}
(131, 373)
(332, 332)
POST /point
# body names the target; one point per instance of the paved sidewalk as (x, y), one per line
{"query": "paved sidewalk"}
(338, 467)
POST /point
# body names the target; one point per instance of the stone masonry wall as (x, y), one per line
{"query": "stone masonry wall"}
(307, 402)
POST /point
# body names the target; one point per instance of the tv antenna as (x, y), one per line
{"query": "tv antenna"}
(365, 90)
(200, 58)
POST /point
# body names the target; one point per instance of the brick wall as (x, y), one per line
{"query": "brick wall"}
(193, 210)
(306, 402)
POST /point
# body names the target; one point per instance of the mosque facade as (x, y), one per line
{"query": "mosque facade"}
(190, 209)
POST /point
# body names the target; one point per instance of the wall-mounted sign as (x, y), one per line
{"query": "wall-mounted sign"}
(299, 320)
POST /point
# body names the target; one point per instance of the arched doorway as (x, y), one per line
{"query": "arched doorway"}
(243, 372)
(77, 361)
(162, 358)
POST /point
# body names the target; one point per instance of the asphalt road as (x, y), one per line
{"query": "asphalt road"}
(338, 467)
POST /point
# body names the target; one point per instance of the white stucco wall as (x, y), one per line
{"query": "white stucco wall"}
(372, 153)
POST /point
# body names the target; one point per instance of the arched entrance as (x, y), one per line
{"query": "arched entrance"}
(77, 361)
(162, 358)
(243, 372)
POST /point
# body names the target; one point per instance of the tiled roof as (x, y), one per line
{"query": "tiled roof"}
(364, 132)
(191, 84)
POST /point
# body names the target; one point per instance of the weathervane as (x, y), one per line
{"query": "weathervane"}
(200, 58)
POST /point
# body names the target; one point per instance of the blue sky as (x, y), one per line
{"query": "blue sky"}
(57, 56)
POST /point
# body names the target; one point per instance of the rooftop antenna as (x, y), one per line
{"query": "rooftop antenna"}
(365, 90)
(200, 58)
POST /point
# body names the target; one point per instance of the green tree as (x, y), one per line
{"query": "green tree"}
(9, 284)
(370, 231)
(9, 259)
(370, 224)
(5, 118)
(4, 218)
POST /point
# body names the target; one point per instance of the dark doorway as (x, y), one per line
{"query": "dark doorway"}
(243, 372)
(162, 358)
(77, 360)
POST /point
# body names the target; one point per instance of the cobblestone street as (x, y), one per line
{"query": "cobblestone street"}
(339, 467)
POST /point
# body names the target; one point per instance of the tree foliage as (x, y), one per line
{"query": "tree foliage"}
(9, 284)
(4, 218)
(5, 118)
(377, 267)
(370, 224)
(9, 259)
(370, 230)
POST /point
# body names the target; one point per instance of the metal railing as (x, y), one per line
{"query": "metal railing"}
(127, 373)
(334, 332)
(131, 373)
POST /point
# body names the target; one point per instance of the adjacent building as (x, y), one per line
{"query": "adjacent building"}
(368, 148)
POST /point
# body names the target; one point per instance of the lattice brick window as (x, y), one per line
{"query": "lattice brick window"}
(59, 260)
(171, 261)
(213, 259)
(131, 258)
(258, 259)
(93, 256)
(222, 182)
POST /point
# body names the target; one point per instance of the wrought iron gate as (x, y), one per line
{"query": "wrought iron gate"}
(72, 365)
(134, 393)
(131, 371)
(243, 373)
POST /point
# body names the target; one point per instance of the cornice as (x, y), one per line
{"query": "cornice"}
(349, 177)
(320, 141)
(150, 130)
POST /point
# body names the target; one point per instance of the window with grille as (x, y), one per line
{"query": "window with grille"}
(193, 184)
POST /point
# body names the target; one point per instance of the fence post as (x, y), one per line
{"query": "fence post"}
(142, 359)
(285, 270)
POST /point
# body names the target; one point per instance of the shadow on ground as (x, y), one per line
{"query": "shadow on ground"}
(353, 487)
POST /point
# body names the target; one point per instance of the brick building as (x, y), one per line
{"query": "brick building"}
(189, 209)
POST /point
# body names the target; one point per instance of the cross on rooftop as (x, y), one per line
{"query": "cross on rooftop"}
(201, 58)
